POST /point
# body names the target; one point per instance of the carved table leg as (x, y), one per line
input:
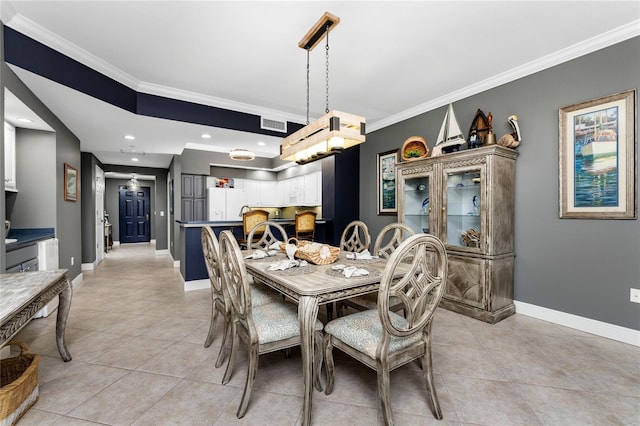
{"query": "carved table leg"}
(63, 311)
(307, 314)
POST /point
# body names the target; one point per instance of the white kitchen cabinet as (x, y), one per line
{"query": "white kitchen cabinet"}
(225, 203)
(261, 193)
(312, 193)
(268, 193)
(9, 157)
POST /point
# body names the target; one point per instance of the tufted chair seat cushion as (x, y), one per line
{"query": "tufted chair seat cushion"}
(363, 331)
(262, 295)
(277, 321)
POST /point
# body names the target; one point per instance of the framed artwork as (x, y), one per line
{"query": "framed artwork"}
(70, 183)
(597, 160)
(387, 196)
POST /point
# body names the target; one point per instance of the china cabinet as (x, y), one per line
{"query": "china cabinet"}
(467, 200)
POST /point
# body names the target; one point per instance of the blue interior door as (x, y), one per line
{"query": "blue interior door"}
(135, 219)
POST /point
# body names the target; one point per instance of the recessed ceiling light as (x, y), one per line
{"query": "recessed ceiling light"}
(261, 143)
(24, 120)
(129, 137)
(205, 136)
(134, 159)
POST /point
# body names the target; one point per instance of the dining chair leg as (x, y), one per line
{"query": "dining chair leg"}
(384, 393)
(223, 346)
(427, 373)
(232, 356)
(248, 385)
(212, 326)
(328, 364)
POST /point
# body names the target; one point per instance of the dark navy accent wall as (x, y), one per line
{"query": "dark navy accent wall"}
(189, 112)
(33, 56)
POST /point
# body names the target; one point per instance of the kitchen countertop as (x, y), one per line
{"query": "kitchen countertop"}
(28, 236)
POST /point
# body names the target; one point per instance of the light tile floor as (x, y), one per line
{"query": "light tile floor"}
(138, 359)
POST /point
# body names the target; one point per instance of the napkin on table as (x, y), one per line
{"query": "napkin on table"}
(352, 271)
(258, 254)
(286, 264)
(363, 255)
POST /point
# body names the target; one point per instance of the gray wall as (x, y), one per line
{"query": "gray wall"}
(88, 205)
(582, 267)
(67, 214)
(35, 204)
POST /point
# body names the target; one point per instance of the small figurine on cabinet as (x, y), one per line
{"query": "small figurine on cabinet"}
(474, 140)
(511, 140)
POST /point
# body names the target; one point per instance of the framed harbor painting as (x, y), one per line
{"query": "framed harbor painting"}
(387, 196)
(70, 183)
(597, 161)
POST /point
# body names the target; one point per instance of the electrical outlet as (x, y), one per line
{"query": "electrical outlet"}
(72, 260)
(635, 295)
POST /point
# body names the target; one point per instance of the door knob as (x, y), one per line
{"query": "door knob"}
(146, 216)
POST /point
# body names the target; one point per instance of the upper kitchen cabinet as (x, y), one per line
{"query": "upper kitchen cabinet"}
(467, 200)
(312, 195)
(262, 193)
(194, 197)
(9, 157)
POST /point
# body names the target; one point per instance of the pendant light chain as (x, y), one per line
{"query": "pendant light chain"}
(326, 109)
(307, 86)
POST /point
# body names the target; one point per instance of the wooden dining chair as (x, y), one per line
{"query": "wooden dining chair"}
(355, 237)
(305, 225)
(220, 305)
(250, 219)
(270, 232)
(387, 241)
(211, 250)
(263, 329)
(384, 340)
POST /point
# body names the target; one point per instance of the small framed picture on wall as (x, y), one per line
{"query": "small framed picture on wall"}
(387, 197)
(70, 183)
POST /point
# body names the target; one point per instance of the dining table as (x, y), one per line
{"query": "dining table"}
(313, 285)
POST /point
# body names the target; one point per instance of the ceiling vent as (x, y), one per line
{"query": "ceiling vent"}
(275, 125)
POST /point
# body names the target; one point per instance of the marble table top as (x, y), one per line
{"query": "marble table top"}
(19, 289)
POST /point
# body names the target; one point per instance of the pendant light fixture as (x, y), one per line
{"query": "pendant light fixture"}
(242, 154)
(133, 184)
(334, 131)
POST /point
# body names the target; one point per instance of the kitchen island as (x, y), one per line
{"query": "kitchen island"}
(192, 267)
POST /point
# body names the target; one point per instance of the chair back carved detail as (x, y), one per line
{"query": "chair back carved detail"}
(268, 236)
(355, 237)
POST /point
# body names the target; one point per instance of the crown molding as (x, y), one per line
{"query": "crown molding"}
(585, 47)
(52, 40)
(55, 42)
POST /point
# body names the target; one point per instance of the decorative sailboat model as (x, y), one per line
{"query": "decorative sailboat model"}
(450, 137)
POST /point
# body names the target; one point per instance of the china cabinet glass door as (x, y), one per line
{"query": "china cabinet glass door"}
(463, 208)
(417, 206)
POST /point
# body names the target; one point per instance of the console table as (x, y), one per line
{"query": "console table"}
(23, 294)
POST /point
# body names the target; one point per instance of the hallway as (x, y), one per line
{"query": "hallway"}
(138, 358)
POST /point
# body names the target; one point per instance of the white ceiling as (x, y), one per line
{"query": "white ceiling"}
(389, 60)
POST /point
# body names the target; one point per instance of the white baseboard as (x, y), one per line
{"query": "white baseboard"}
(162, 252)
(77, 281)
(197, 285)
(176, 263)
(588, 325)
(88, 266)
